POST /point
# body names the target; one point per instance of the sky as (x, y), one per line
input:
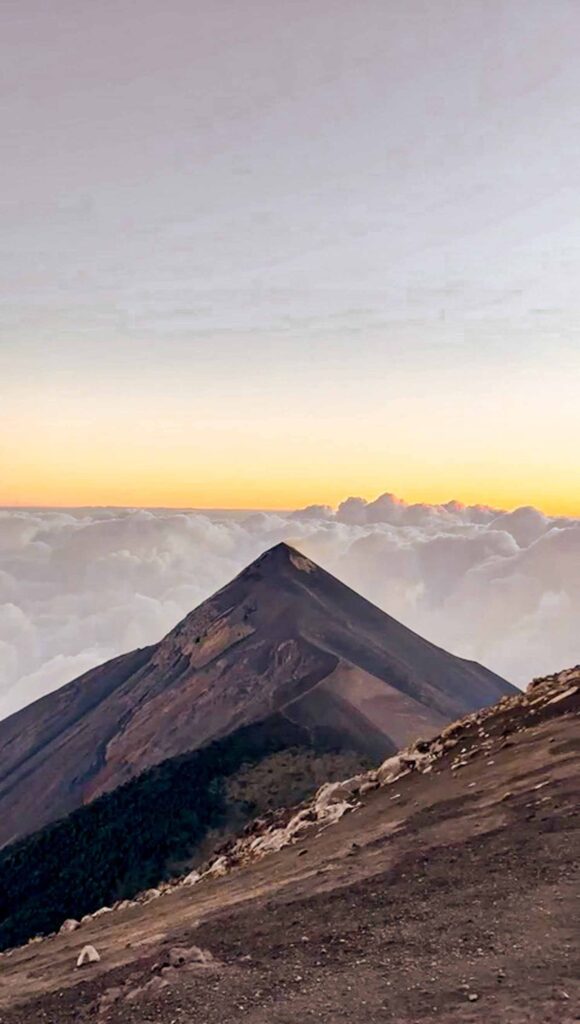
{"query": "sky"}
(261, 255)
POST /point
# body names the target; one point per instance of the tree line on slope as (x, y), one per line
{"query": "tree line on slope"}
(130, 839)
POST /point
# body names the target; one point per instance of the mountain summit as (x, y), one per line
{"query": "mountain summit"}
(284, 638)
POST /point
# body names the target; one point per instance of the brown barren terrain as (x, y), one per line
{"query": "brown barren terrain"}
(451, 895)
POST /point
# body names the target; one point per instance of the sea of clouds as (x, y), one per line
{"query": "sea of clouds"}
(77, 588)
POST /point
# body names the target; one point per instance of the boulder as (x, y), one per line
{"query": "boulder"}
(336, 792)
(218, 868)
(70, 925)
(367, 787)
(147, 896)
(422, 746)
(389, 770)
(415, 761)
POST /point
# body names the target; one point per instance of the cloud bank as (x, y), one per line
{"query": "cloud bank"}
(77, 588)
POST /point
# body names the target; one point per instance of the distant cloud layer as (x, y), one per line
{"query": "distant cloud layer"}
(77, 588)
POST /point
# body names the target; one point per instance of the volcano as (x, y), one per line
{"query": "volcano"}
(284, 638)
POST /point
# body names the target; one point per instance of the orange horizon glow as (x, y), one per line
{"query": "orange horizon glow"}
(75, 475)
(490, 438)
(260, 497)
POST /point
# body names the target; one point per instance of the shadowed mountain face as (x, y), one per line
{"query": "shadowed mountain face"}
(283, 638)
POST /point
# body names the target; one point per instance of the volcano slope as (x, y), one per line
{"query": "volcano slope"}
(448, 892)
(283, 638)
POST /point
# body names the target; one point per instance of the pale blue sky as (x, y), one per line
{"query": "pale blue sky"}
(305, 169)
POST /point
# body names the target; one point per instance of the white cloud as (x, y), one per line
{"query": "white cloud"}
(78, 588)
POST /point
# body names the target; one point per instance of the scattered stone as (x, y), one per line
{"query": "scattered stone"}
(88, 955)
(389, 770)
(367, 787)
(422, 746)
(109, 997)
(70, 925)
(143, 897)
(192, 878)
(218, 868)
(156, 984)
(168, 972)
(180, 955)
(148, 895)
(563, 696)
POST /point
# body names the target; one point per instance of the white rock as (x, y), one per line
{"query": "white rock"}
(70, 925)
(415, 761)
(191, 878)
(88, 955)
(367, 787)
(335, 812)
(336, 792)
(218, 868)
(562, 696)
(389, 770)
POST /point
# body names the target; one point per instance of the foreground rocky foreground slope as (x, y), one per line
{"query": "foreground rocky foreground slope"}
(443, 886)
(283, 638)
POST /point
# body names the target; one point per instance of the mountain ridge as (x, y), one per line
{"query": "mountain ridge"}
(283, 634)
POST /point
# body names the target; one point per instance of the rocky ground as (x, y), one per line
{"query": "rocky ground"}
(448, 891)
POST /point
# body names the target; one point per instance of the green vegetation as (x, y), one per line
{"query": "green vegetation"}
(140, 834)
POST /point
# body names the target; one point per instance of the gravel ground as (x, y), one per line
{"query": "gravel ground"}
(449, 897)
